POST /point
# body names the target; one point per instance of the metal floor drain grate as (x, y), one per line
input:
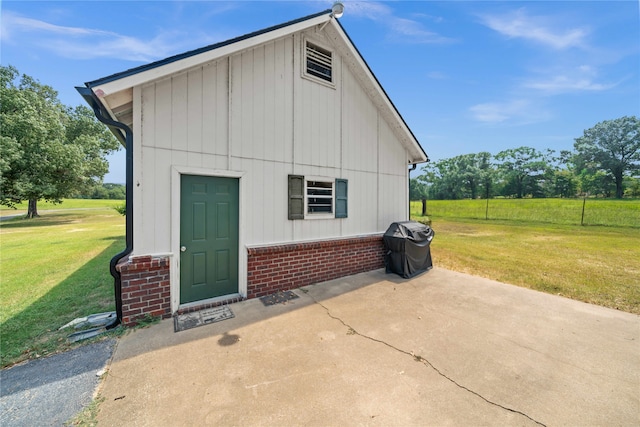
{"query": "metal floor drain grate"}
(280, 297)
(202, 317)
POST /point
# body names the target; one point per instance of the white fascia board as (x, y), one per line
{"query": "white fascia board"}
(212, 55)
(417, 155)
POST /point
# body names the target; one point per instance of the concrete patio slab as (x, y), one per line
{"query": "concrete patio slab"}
(443, 348)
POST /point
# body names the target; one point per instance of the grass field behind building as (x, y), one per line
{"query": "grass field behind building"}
(541, 244)
(608, 212)
(598, 265)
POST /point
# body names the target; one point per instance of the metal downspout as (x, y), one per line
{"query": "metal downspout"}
(101, 115)
(413, 167)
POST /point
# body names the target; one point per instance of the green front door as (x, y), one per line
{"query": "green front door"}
(208, 237)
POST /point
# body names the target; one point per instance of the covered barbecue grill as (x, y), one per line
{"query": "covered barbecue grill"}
(408, 252)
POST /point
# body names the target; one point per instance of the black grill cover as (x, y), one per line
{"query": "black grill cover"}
(408, 253)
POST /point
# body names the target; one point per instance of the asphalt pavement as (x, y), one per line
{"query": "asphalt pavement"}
(52, 390)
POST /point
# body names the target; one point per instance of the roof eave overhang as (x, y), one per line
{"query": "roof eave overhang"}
(115, 93)
(95, 104)
(161, 69)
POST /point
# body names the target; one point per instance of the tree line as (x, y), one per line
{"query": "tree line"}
(605, 162)
(48, 151)
(104, 191)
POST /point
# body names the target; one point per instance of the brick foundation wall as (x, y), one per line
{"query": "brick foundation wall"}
(145, 288)
(146, 282)
(271, 269)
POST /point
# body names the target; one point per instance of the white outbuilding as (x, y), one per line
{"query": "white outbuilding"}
(256, 165)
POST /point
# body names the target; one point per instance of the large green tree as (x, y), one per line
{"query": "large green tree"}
(417, 190)
(443, 180)
(522, 169)
(49, 151)
(464, 176)
(612, 147)
(486, 173)
(561, 183)
(468, 174)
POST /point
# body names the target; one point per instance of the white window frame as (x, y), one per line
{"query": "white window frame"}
(311, 77)
(321, 215)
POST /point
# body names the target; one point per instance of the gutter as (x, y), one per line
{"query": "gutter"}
(124, 134)
(413, 167)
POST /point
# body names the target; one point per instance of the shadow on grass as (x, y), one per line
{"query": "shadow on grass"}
(33, 332)
(44, 220)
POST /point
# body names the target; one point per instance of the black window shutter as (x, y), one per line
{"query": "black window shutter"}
(341, 198)
(296, 197)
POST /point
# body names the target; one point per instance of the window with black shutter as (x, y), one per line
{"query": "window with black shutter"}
(313, 197)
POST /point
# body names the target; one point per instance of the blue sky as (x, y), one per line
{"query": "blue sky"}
(467, 76)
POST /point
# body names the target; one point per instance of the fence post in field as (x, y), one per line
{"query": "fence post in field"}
(486, 211)
(424, 207)
(584, 202)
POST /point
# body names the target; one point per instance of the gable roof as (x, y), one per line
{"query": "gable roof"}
(115, 92)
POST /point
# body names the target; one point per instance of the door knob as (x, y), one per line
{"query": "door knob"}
(183, 248)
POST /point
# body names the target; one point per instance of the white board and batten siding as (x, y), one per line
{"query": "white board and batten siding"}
(253, 114)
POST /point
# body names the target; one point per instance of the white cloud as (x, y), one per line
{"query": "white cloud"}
(517, 111)
(561, 84)
(490, 112)
(518, 24)
(88, 43)
(18, 23)
(415, 31)
(367, 9)
(562, 73)
(437, 75)
(118, 46)
(408, 30)
(579, 79)
(436, 19)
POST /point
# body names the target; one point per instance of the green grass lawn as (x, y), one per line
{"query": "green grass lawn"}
(66, 204)
(621, 213)
(540, 244)
(593, 264)
(53, 269)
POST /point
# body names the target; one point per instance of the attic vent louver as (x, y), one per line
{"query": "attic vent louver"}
(319, 62)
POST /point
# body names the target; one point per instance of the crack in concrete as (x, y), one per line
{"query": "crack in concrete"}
(424, 361)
